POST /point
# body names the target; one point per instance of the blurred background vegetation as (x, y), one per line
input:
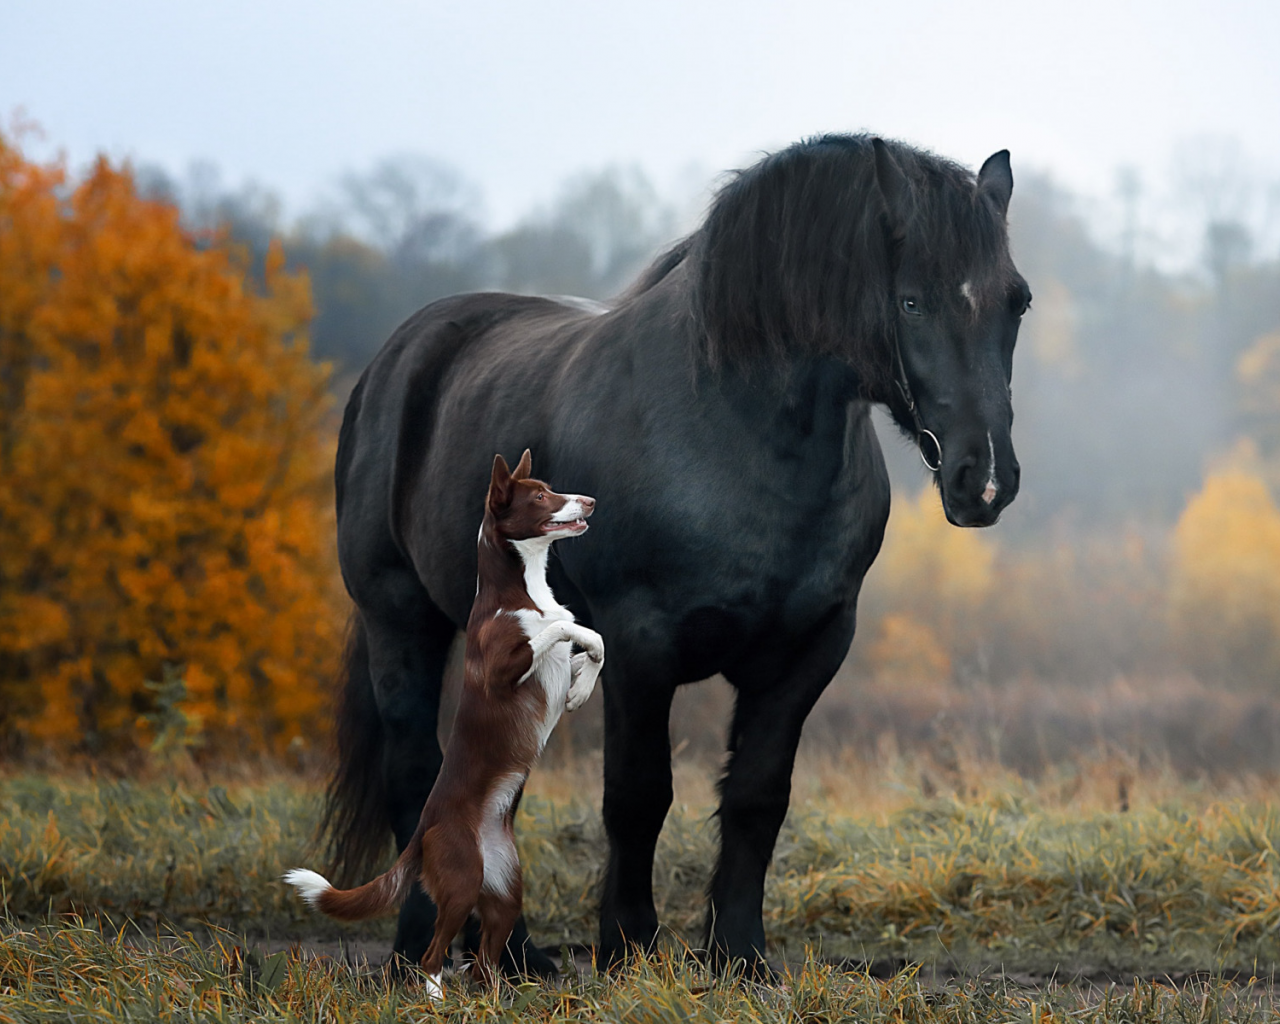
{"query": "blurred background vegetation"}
(174, 353)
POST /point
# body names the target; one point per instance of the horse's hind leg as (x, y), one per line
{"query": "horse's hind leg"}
(777, 687)
(408, 640)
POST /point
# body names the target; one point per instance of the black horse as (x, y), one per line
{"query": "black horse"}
(720, 413)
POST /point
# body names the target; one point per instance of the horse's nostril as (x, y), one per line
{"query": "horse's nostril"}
(960, 475)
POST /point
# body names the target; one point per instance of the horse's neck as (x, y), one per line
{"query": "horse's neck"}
(797, 392)
(804, 400)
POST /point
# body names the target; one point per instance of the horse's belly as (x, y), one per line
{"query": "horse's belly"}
(751, 587)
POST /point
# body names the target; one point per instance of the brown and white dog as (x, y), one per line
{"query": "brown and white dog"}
(519, 677)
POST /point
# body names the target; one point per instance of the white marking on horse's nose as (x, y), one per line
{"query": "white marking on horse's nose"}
(966, 289)
(992, 488)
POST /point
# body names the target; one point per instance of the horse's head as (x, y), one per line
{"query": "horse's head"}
(957, 303)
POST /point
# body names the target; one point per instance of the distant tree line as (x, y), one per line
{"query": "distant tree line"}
(1128, 378)
(406, 233)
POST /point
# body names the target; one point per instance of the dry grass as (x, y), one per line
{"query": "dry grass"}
(920, 857)
(77, 972)
(937, 858)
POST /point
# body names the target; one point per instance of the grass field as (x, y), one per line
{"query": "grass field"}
(160, 899)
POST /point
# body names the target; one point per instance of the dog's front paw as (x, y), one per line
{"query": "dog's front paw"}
(578, 695)
(584, 671)
(593, 645)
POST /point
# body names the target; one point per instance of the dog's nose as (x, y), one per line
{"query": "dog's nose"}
(588, 505)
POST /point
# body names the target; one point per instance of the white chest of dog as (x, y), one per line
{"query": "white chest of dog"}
(567, 680)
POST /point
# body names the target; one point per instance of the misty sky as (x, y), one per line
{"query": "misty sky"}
(518, 95)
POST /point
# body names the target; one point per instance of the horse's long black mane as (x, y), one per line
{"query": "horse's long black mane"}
(797, 252)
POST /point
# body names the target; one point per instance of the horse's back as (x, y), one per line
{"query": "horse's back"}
(435, 362)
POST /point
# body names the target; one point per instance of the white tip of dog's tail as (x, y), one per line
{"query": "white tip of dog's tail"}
(309, 884)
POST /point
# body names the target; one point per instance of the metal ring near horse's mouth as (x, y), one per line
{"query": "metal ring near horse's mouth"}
(936, 444)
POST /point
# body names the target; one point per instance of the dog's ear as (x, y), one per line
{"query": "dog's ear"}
(499, 485)
(523, 467)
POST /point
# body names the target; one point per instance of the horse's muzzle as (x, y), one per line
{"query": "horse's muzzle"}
(979, 484)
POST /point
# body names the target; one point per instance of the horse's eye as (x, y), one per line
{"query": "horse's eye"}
(541, 496)
(911, 306)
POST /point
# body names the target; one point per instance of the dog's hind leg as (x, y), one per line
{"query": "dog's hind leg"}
(453, 871)
(452, 912)
(498, 915)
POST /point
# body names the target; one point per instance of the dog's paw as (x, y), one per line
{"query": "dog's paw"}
(578, 695)
(593, 646)
(584, 671)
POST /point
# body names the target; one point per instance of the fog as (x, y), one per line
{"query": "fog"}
(404, 152)
(522, 96)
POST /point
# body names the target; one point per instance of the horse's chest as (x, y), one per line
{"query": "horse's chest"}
(553, 674)
(797, 553)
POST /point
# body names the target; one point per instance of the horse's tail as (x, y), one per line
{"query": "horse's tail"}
(355, 826)
(384, 893)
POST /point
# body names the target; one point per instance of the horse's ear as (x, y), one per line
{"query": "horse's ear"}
(499, 485)
(523, 467)
(996, 179)
(893, 184)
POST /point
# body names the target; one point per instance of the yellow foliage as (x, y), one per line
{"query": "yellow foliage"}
(164, 483)
(925, 554)
(929, 586)
(1258, 374)
(931, 568)
(1225, 587)
(906, 653)
(1258, 371)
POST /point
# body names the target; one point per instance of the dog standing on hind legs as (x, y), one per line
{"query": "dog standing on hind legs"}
(520, 676)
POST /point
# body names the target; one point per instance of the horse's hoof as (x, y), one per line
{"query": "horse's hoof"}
(753, 967)
(529, 962)
(399, 969)
(521, 958)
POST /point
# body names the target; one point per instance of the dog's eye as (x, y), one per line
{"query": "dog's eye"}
(541, 496)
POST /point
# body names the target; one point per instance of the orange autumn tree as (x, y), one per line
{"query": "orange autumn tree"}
(164, 475)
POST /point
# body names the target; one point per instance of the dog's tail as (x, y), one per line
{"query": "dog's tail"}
(383, 894)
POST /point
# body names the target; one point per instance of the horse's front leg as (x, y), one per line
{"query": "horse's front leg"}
(637, 796)
(777, 687)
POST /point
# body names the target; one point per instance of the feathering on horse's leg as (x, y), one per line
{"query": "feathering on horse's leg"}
(775, 696)
(637, 796)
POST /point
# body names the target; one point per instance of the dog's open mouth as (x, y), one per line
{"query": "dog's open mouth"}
(572, 525)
